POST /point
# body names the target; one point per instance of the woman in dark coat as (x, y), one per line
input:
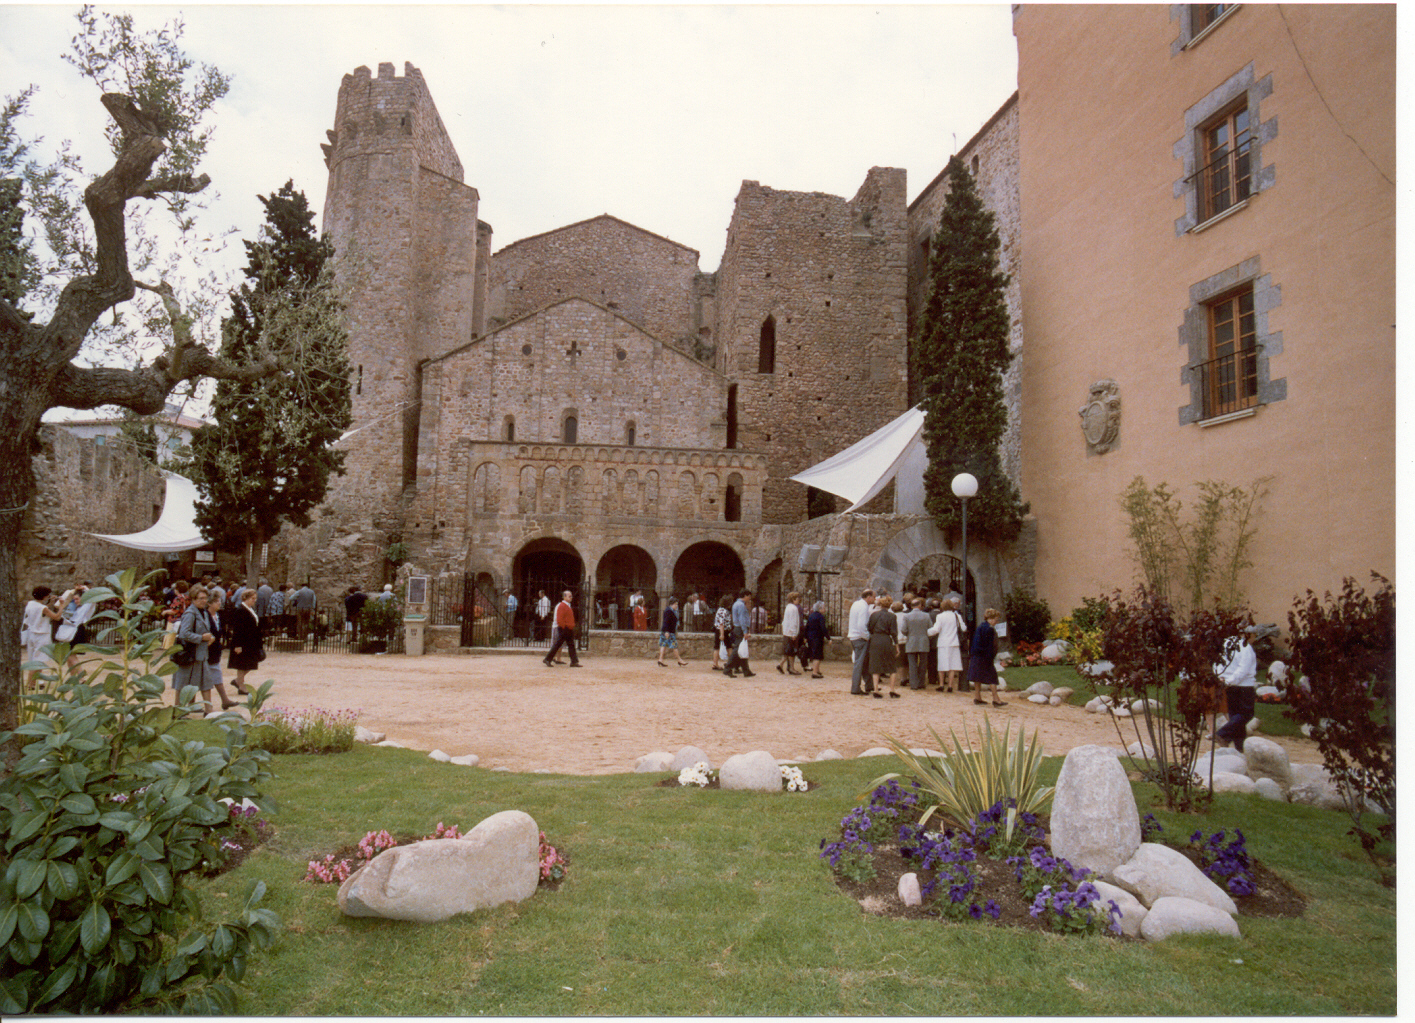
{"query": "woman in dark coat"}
(884, 630)
(816, 635)
(981, 670)
(243, 638)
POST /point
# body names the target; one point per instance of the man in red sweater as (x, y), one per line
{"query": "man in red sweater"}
(565, 622)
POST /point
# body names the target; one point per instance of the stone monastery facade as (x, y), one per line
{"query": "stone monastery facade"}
(587, 404)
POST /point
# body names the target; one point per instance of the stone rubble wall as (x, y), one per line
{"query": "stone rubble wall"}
(643, 277)
(832, 273)
(84, 487)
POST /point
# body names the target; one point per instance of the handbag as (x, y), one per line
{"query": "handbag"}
(184, 654)
(66, 632)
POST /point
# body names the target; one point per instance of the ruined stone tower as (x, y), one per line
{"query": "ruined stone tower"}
(812, 320)
(413, 258)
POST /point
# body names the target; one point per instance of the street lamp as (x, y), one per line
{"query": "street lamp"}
(965, 485)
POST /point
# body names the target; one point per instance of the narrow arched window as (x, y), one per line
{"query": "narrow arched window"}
(631, 433)
(766, 351)
(510, 429)
(731, 415)
(572, 429)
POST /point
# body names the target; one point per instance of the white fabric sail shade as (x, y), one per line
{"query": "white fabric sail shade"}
(175, 529)
(865, 468)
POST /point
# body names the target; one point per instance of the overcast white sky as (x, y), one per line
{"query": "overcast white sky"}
(654, 114)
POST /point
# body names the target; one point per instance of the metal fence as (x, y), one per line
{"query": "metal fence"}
(326, 630)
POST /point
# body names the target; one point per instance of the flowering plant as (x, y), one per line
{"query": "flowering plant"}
(1220, 859)
(699, 774)
(552, 864)
(335, 870)
(245, 829)
(792, 778)
(305, 730)
(1047, 880)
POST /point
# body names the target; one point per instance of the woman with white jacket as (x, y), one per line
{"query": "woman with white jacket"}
(38, 625)
(947, 628)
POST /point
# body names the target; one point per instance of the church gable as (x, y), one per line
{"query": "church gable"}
(645, 276)
(573, 360)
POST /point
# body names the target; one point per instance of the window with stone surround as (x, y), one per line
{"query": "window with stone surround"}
(766, 349)
(631, 433)
(1197, 22)
(570, 427)
(510, 429)
(1226, 336)
(1221, 152)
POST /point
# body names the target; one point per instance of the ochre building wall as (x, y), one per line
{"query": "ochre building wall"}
(1110, 101)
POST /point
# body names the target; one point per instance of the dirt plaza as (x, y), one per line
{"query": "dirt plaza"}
(513, 712)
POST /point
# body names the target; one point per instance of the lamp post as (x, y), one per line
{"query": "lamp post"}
(965, 485)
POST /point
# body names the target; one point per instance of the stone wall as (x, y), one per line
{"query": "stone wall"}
(991, 156)
(83, 487)
(831, 274)
(643, 277)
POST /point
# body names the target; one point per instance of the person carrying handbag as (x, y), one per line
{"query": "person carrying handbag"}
(194, 631)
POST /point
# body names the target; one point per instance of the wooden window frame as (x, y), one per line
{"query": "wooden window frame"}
(1231, 382)
(1231, 161)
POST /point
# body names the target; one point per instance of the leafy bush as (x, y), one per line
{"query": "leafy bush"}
(1346, 648)
(105, 816)
(1168, 660)
(306, 730)
(381, 618)
(1086, 641)
(966, 782)
(1027, 617)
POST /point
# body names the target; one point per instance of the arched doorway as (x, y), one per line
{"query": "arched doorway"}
(709, 568)
(942, 574)
(547, 564)
(622, 571)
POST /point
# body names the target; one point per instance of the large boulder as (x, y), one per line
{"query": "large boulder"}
(1156, 871)
(1266, 759)
(497, 861)
(653, 763)
(1094, 820)
(1175, 915)
(1312, 785)
(1036, 688)
(1269, 789)
(756, 771)
(1225, 781)
(687, 757)
(1132, 913)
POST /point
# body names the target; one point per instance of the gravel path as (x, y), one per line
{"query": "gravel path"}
(513, 712)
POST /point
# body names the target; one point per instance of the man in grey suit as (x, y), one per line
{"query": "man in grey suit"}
(263, 594)
(914, 627)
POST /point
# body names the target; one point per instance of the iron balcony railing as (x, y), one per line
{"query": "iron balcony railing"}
(1229, 383)
(1224, 183)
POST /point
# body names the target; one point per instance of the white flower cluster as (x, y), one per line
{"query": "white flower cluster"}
(699, 774)
(794, 780)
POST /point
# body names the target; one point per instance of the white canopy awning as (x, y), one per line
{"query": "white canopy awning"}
(865, 468)
(175, 529)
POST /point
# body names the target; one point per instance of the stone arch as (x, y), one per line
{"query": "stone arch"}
(621, 570)
(575, 490)
(906, 549)
(485, 498)
(526, 501)
(550, 491)
(711, 568)
(546, 562)
(631, 504)
(732, 499)
(687, 495)
(711, 498)
(768, 587)
(610, 480)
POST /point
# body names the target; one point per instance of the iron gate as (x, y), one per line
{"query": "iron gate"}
(490, 619)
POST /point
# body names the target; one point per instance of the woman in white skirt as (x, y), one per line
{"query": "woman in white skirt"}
(38, 631)
(947, 628)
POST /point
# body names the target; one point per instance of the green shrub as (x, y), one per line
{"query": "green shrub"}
(305, 730)
(966, 781)
(381, 618)
(1027, 617)
(104, 817)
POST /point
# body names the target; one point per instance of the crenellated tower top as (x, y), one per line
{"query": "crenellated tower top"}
(388, 113)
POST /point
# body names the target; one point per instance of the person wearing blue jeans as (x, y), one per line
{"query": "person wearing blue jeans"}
(741, 625)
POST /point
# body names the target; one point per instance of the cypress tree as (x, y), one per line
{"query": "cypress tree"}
(961, 353)
(268, 457)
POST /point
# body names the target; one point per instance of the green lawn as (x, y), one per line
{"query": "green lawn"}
(688, 902)
(1270, 714)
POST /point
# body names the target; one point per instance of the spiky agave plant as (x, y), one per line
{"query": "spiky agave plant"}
(965, 781)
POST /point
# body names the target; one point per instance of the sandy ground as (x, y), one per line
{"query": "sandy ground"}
(513, 712)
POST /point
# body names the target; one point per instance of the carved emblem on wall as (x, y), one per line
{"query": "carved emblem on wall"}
(1100, 416)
